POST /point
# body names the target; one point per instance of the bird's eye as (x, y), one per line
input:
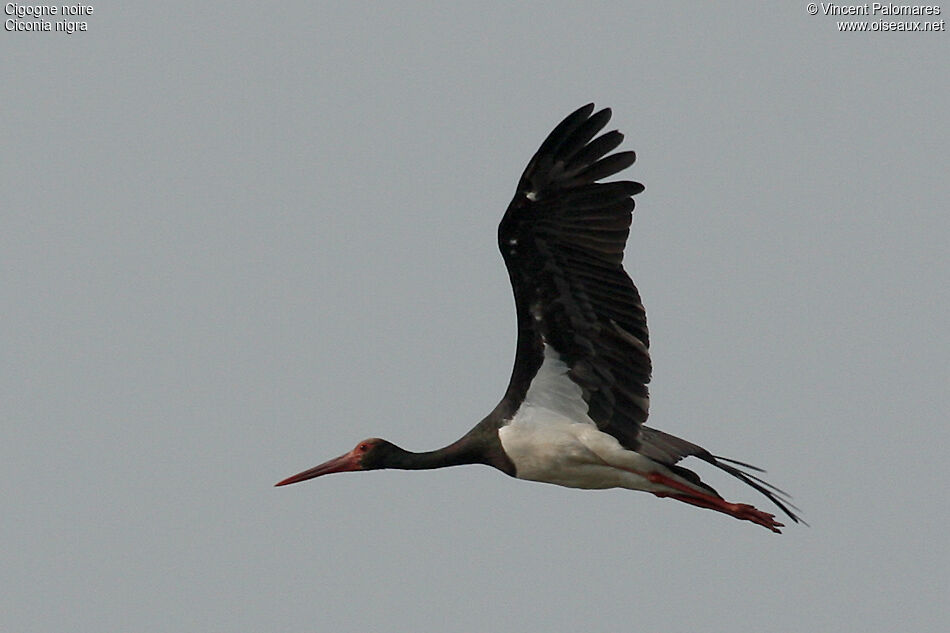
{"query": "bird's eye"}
(363, 447)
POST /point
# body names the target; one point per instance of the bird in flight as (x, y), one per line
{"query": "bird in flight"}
(575, 407)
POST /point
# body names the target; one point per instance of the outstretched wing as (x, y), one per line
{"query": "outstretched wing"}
(562, 239)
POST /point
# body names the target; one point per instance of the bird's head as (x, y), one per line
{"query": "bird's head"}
(369, 454)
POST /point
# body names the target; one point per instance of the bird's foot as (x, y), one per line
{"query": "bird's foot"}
(741, 511)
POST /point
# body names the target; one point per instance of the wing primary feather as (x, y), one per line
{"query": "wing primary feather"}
(582, 135)
(605, 167)
(554, 139)
(598, 148)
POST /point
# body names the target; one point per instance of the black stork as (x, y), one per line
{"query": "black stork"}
(575, 407)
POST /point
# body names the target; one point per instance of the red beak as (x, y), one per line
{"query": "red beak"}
(340, 464)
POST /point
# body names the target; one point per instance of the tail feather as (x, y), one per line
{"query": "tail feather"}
(776, 495)
(669, 449)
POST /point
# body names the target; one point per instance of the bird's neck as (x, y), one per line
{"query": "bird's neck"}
(455, 454)
(478, 446)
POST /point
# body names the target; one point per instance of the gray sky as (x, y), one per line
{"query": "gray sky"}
(236, 239)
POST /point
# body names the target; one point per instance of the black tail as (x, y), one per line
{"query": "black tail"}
(669, 449)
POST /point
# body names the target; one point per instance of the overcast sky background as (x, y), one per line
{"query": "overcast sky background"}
(237, 238)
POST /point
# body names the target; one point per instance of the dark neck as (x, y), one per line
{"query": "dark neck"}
(455, 454)
(478, 446)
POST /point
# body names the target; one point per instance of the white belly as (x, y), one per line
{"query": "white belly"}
(545, 446)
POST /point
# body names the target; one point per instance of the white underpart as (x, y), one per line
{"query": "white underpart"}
(552, 439)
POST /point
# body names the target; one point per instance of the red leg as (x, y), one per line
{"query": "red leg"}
(703, 500)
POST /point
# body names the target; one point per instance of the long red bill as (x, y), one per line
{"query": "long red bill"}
(339, 464)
